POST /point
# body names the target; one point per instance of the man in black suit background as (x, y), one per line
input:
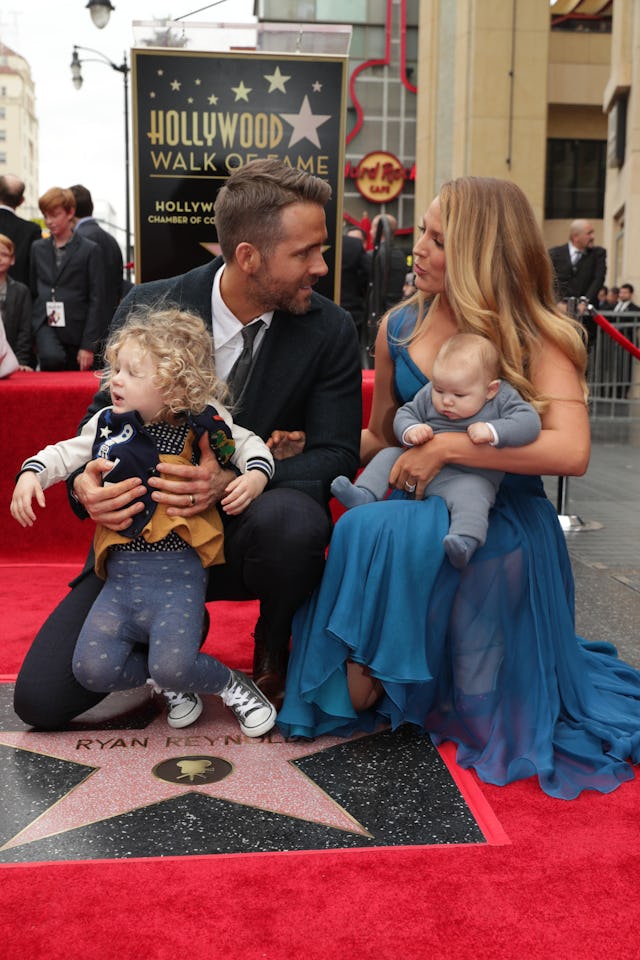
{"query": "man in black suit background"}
(22, 232)
(87, 226)
(354, 278)
(302, 395)
(625, 300)
(580, 268)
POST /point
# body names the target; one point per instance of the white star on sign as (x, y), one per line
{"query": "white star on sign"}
(276, 81)
(175, 85)
(242, 92)
(305, 124)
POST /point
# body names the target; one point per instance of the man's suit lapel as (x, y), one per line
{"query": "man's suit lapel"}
(196, 286)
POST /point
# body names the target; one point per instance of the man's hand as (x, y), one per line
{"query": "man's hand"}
(286, 443)
(188, 490)
(111, 505)
(242, 491)
(85, 359)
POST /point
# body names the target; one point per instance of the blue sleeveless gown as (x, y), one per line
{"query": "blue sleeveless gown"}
(486, 657)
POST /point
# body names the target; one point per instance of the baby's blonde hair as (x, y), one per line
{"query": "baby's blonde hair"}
(471, 350)
(182, 349)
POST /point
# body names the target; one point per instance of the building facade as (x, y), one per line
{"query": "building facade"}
(19, 126)
(544, 94)
(381, 102)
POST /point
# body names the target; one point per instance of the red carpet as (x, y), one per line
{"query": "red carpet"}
(563, 885)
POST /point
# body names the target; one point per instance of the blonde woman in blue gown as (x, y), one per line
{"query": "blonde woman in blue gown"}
(486, 657)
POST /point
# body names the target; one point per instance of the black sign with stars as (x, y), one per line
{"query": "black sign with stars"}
(200, 116)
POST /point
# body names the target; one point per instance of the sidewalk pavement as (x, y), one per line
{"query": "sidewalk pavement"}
(606, 561)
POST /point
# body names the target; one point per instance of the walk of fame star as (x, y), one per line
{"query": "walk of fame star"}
(145, 790)
(119, 772)
(148, 790)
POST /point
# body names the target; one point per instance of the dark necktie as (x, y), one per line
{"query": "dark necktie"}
(240, 370)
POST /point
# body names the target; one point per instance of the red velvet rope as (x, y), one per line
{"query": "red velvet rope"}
(615, 334)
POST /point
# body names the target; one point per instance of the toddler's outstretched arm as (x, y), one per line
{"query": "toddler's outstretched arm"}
(26, 488)
(241, 491)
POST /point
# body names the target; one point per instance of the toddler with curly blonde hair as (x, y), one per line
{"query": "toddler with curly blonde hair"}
(147, 622)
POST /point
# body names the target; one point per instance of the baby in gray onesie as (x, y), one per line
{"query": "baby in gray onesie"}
(465, 394)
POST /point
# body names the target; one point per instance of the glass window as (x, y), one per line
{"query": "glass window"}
(576, 171)
(333, 11)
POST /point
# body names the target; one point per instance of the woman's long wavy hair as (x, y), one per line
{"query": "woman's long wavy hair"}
(499, 279)
(182, 349)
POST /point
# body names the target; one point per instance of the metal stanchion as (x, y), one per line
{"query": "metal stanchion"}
(378, 286)
(571, 523)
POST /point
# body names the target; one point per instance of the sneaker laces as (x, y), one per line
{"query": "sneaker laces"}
(238, 695)
(171, 696)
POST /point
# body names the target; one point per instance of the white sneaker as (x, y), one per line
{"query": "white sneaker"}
(255, 714)
(184, 708)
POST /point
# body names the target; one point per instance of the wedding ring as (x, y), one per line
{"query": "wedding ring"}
(410, 487)
(192, 499)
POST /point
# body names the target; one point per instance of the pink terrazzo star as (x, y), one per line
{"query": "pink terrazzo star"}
(120, 772)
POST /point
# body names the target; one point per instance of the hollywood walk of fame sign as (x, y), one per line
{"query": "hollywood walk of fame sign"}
(200, 116)
(148, 791)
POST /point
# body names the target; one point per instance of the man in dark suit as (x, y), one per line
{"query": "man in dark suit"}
(303, 396)
(22, 232)
(354, 278)
(625, 301)
(580, 268)
(87, 226)
(67, 284)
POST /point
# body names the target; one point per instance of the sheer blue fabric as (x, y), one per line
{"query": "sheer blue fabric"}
(487, 657)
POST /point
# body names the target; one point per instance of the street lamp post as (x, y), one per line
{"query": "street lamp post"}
(100, 11)
(77, 80)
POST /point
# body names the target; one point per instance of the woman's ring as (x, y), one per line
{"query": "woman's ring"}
(192, 499)
(410, 487)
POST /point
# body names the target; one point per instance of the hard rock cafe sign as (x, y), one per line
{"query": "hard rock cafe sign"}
(380, 177)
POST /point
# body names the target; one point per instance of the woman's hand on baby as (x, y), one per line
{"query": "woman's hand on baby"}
(26, 488)
(242, 491)
(286, 443)
(110, 504)
(417, 467)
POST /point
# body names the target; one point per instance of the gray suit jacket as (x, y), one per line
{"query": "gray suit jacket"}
(112, 259)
